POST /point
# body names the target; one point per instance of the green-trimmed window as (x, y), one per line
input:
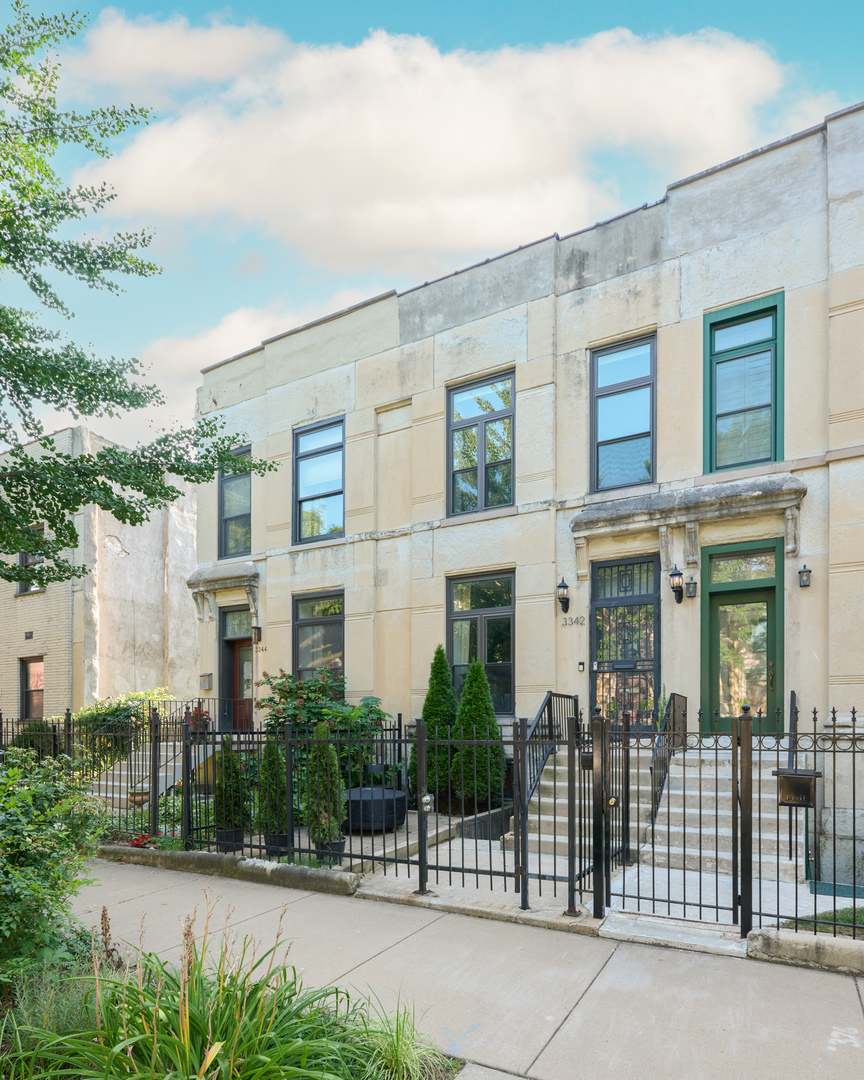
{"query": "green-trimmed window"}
(744, 385)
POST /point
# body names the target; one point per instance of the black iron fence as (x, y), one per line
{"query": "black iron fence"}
(750, 827)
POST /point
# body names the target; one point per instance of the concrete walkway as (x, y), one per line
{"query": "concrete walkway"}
(520, 998)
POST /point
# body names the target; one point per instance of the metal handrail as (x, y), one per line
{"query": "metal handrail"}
(663, 753)
(540, 743)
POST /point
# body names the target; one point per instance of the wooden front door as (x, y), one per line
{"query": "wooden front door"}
(242, 684)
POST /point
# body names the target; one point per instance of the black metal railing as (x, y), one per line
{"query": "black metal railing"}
(756, 826)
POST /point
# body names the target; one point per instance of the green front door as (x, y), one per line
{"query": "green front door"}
(743, 659)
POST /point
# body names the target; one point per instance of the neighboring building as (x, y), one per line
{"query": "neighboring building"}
(128, 625)
(680, 386)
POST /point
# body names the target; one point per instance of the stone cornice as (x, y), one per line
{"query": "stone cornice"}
(206, 581)
(737, 498)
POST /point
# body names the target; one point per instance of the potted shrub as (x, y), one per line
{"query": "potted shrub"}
(229, 802)
(273, 801)
(199, 724)
(476, 768)
(326, 798)
(439, 715)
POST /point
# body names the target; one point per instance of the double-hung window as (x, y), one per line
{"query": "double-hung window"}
(27, 559)
(744, 384)
(319, 634)
(32, 688)
(623, 410)
(235, 511)
(480, 620)
(480, 421)
(319, 482)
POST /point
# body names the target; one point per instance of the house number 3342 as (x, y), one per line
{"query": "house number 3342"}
(573, 620)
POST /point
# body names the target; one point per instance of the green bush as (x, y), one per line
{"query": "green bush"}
(239, 1013)
(231, 800)
(439, 715)
(303, 702)
(48, 827)
(355, 727)
(326, 800)
(36, 735)
(105, 730)
(475, 771)
(273, 791)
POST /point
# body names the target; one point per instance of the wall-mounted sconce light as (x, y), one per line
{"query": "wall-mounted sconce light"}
(690, 589)
(205, 682)
(804, 577)
(256, 635)
(564, 595)
(676, 584)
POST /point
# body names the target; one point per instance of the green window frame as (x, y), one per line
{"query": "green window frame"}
(759, 409)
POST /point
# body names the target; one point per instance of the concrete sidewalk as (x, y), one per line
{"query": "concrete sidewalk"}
(523, 999)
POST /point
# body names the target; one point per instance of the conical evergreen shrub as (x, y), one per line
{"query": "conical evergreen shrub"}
(476, 770)
(439, 715)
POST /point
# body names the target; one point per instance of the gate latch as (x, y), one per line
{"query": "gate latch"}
(426, 803)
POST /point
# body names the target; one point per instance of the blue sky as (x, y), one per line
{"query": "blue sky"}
(306, 156)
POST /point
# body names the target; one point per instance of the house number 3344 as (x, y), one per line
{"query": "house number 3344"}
(573, 620)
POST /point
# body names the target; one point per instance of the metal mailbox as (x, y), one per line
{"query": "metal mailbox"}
(796, 787)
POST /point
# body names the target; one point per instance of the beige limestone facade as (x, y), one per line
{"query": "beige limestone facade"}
(128, 625)
(746, 285)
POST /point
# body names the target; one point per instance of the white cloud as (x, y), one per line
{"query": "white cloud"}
(394, 157)
(147, 58)
(174, 363)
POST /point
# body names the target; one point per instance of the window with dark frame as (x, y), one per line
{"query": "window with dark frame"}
(235, 512)
(480, 418)
(480, 626)
(622, 414)
(743, 387)
(26, 559)
(319, 634)
(319, 482)
(33, 688)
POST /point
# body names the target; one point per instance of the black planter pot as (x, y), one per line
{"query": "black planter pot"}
(276, 843)
(331, 853)
(228, 840)
(374, 809)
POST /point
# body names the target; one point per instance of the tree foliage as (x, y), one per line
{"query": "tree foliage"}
(48, 827)
(38, 482)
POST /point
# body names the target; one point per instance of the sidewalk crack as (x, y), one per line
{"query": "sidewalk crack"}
(576, 1005)
(387, 948)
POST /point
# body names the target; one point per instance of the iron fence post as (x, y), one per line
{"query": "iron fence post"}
(55, 742)
(154, 771)
(67, 733)
(746, 894)
(399, 781)
(625, 786)
(736, 814)
(571, 816)
(186, 789)
(422, 811)
(522, 838)
(289, 785)
(598, 814)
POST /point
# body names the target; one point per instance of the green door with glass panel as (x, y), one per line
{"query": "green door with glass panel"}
(743, 665)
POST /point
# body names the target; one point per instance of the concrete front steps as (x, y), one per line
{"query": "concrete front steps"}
(114, 783)
(694, 825)
(547, 810)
